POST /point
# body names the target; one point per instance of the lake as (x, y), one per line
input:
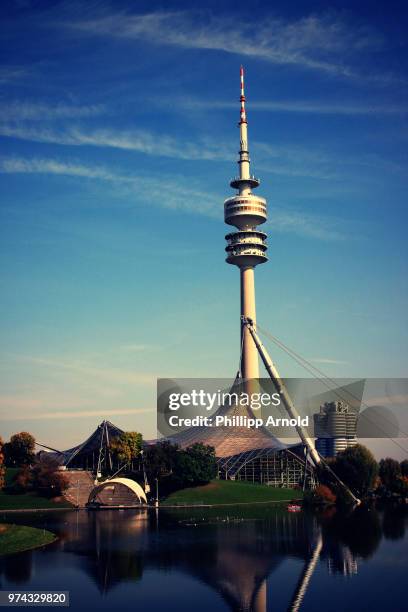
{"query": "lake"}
(260, 558)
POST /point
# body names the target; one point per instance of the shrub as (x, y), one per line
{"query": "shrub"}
(324, 495)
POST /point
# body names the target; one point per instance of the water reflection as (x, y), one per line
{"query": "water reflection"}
(18, 568)
(358, 533)
(233, 554)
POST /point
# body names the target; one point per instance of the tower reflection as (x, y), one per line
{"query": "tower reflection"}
(232, 552)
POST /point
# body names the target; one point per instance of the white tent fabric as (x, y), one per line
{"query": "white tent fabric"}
(127, 482)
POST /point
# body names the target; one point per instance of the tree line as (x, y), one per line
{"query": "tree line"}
(176, 468)
(359, 470)
(164, 462)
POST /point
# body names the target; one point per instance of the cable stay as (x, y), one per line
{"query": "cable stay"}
(289, 406)
(315, 371)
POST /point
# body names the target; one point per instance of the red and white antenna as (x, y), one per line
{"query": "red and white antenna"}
(243, 113)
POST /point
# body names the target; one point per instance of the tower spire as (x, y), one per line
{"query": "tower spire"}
(243, 113)
(244, 160)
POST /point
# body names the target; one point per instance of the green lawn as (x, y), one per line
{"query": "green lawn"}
(230, 492)
(16, 538)
(25, 501)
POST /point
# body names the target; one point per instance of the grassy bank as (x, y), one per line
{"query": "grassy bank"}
(17, 538)
(230, 492)
(25, 501)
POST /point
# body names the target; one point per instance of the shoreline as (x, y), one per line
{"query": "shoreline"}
(16, 539)
(19, 510)
(153, 507)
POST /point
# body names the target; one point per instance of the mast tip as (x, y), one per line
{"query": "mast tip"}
(242, 98)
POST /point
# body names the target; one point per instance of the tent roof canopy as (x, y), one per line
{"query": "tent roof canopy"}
(106, 430)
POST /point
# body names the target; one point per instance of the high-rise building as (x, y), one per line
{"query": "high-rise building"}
(335, 428)
(247, 247)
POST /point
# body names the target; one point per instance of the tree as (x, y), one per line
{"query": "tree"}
(404, 467)
(357, 468)
(400, 486)
(177, 467)
(160, 459)
(48, 480)
(127, 446)
(389, 472)
(20, 450)
(43, 477)
(360, 531)
(2, 470)
(195, 465)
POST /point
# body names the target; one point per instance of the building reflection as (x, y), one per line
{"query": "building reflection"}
(232, 555)
(342, 561)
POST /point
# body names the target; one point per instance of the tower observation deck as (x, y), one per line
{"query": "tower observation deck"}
(247, 247)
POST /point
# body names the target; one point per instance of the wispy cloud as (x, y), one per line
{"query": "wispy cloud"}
(105, 374)
(17, 402)
(35, 111)
(86, 386)
(11, 73)
(141, 141)
(136, 348)
(314, 42)
(18, 165)
(178, 197)
(289, 106)
(288, 161)
(307, 225)
(293, 161)
(328, 361)
(75, 414)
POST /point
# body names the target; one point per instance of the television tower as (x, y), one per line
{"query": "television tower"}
(246, 247)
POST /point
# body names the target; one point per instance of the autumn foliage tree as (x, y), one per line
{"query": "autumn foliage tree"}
(19, 451)
(324, 495)
(43, 477)
(2, 470)
(401, 486)
(127, 446)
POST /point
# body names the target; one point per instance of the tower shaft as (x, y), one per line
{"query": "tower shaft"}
(249, 360)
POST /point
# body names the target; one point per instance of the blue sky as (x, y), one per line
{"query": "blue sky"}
(119, 138)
